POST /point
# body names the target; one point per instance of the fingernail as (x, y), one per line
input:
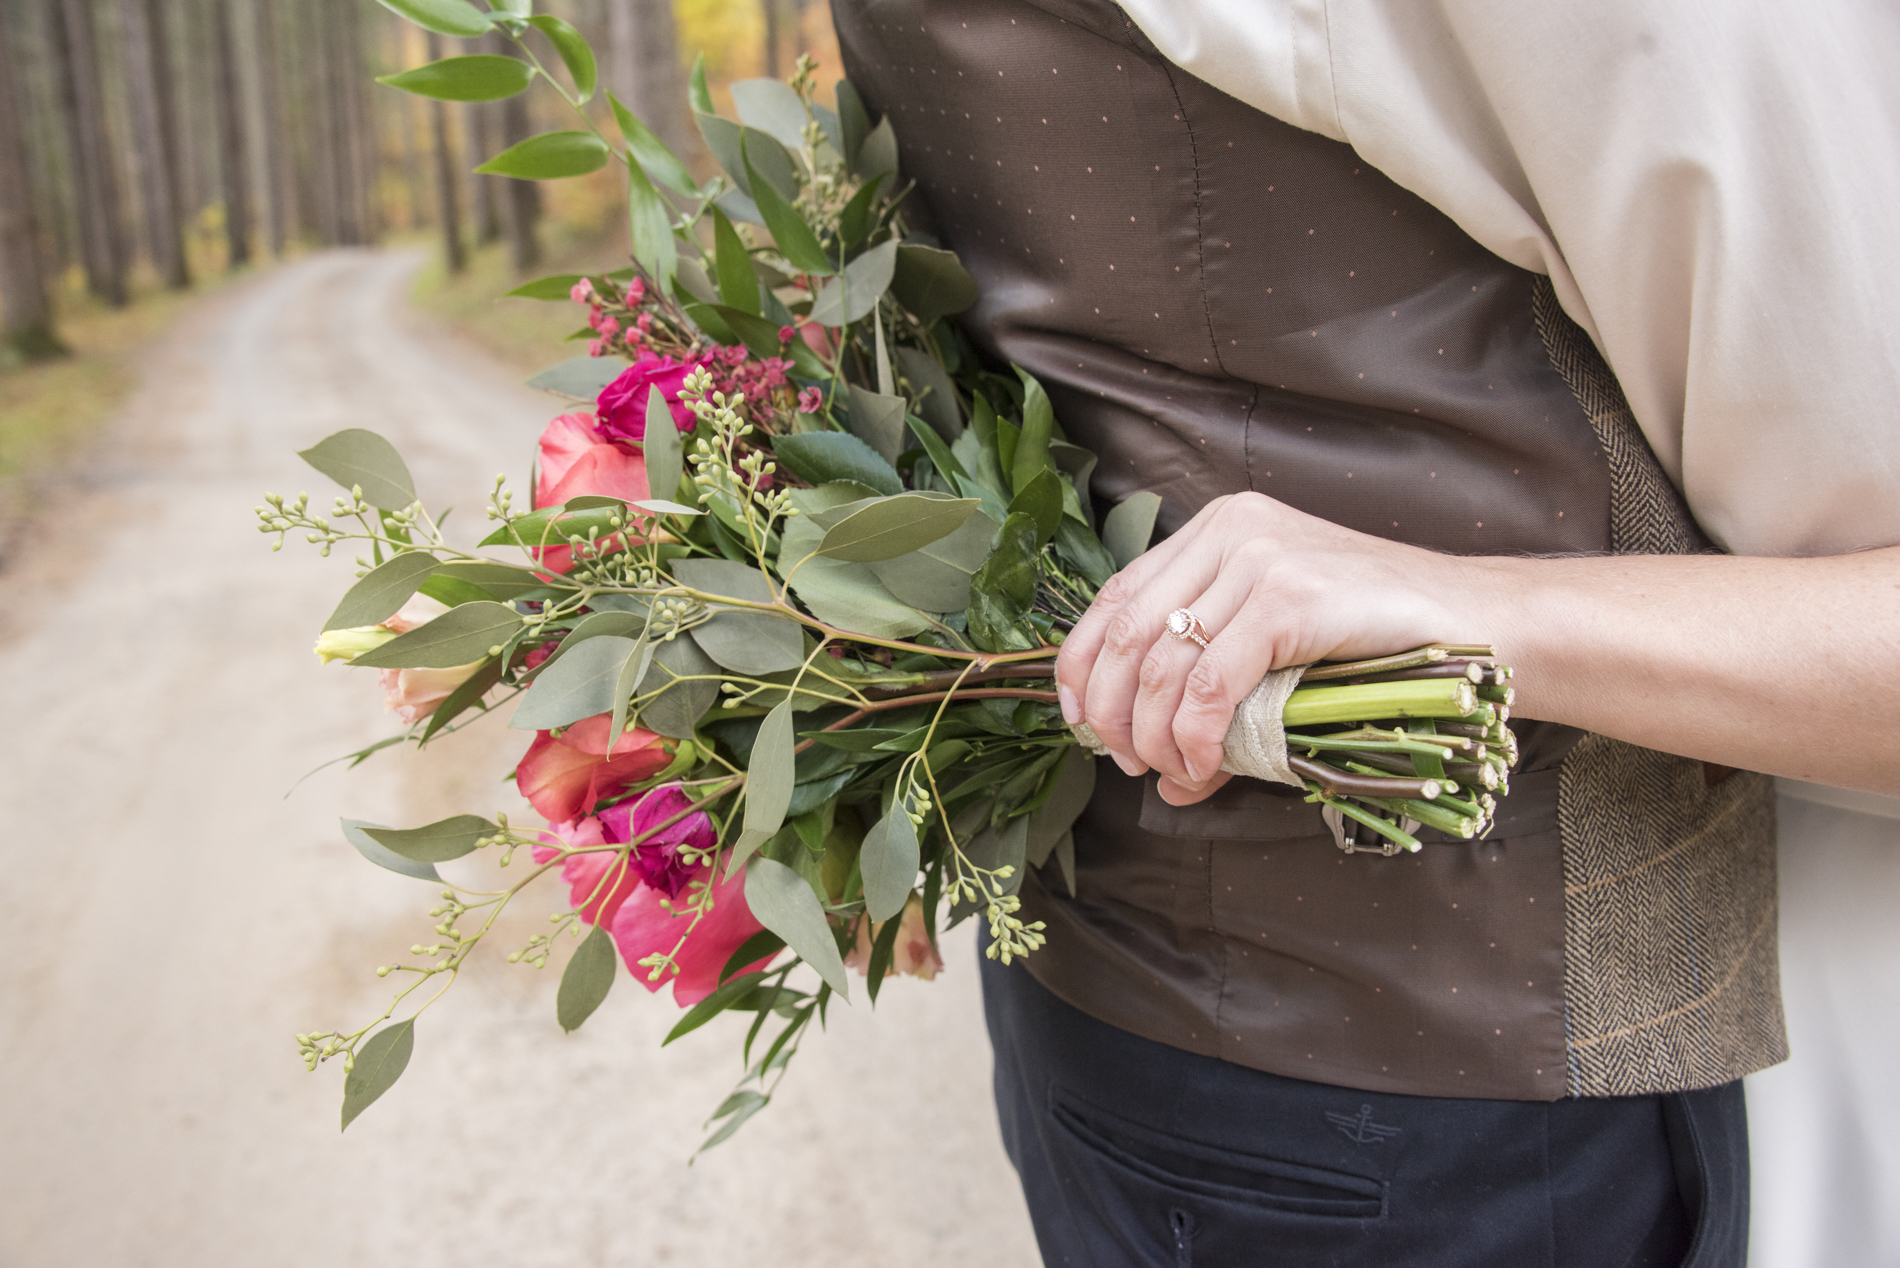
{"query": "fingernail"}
(1071, 711)
(1194, 774)
(1128, 764)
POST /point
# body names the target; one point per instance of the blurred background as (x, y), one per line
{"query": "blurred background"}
(219, 241)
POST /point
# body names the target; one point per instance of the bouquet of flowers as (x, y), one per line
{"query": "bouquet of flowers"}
(782, 614)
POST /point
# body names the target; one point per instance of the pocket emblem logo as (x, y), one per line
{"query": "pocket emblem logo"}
(1359, 1128)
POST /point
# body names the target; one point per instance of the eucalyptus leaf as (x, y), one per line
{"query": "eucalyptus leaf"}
(825, 456)
(604, 623)
(772, 107)
(444, 17)
(578, 57)
(860, 216)
(936, 397)
(651, 153)
(878, 154)
(380, 1061)
(632, 670)
(550, 156)
(936, 577)
(878, 421)
(739, 206)
(579, 378)
(739, 1107)
(661, 446)
(465, 697)
(931, 283)
(459, 636)
(586, 980)
(437, 842)
(357, 458)
(747, 642)
(843, 594)
(1002, 847)
(381, 856)
(738, 285)
(650, 228)
(502, 581)
(769, 779)
(1127, 528)
(732, 144)
(852, 295)
(382, 591)
(579, 685)
(782, 902)
(889, 527)
(795, 239)
(889, 859)
(676, 711)
(854, 123)
(482, 77)
(697, 94)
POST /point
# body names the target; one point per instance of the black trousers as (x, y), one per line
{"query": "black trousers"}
(1134, 1153)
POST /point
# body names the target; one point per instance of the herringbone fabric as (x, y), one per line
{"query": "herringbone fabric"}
(1671, 979)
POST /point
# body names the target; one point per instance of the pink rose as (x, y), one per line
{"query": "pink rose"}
(563, 776)
(623, 403)
(576, 461)
(591, 890)
(912, 953)
(650, 923)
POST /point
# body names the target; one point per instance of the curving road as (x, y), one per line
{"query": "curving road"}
(170, 917)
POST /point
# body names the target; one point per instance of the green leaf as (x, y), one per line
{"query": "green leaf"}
(572, 46)
(878, 421)
(661, 446)
(650, 225)
(1127, 528)
(501, 581)
(883, 949)
(1069, 797)
(512, 8)
(709, 319)
(889, 527)
(444, 17)
(1004, 588)
(560, 286)
(465, 697)
(1039, 423)
(854, 122)
(760, 946)
(1075, 542)
(369, 848)
(585, 981)
(782, 902)
(382, 591)
(931, 283)
(741, 1106)
(1041, 500)
(889, 859)
(743, 152)
(825, 456)
(796, 242)
(878, 154)
(579, 378)
(550, 156)
(744, 641)
(358, 458)
(738, 284)
(610, 623)
(773, 108)
(482, 77)
(1065, 857)
(697, 93)
(855, 293)
(676, 711)
(759, 334)
(936, 397)
(843, 594)
(725, 996)
(384, 1055)
(632, 670)
(459, 636)
(651, 153)
(437, 842)
(452, 593)
(859, 216)
(936, 577)
(578, 685)
(769, 778)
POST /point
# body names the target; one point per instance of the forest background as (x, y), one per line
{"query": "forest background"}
(150, 148)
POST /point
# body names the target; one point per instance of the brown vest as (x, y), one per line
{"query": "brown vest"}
(1218, 302)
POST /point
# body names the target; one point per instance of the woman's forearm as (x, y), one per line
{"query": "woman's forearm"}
(1786, 666)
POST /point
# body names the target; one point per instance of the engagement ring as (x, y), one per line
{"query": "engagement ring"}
(1184, 625)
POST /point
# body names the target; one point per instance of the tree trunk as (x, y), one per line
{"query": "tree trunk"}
(155, 125)
(232, 168)
(486, 189)
(365, 149)
(448, 204)
(521, 200)
(26, 320)
(771, 38)
(276, 138)
(644, 70)
(95, 187)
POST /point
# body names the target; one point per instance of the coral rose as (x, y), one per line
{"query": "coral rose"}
(575, 461)
(564, 776)
(649, 923)
(622, 404)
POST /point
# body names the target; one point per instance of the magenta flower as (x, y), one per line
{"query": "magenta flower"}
(810, 401)
(657, 858)
(786, 334)
(623, 403)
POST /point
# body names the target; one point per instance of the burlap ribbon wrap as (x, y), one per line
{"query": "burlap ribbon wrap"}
(1255, 745)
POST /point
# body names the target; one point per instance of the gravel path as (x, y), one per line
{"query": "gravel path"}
(171, 917)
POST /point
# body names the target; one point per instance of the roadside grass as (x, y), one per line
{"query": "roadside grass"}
(526, 334)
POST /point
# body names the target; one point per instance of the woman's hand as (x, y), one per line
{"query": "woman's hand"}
(1274, 587)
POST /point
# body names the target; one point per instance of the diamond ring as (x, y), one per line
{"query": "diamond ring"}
(1184, 625)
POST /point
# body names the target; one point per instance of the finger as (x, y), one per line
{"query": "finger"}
(1237, 658)
(1083, 645)
(1176, 793)
(1164, 675)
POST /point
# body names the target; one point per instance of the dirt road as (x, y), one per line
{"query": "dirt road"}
(171, 917)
